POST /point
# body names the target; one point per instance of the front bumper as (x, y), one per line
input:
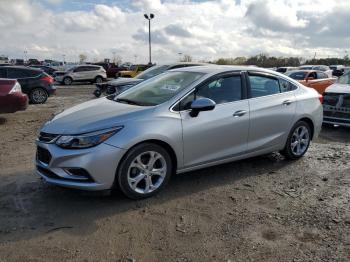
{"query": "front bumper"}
(99, 163)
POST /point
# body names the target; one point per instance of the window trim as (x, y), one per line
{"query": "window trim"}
(210, 79)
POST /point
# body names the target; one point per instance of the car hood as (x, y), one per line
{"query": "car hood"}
(93, 115)
(338, 88)
(124, 81)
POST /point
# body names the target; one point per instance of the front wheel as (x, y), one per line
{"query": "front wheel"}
(97, 93)
(67, 81)
(298, 141)
(144, 171)
(38, 96)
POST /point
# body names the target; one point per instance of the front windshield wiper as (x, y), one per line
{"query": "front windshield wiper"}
(132, 102)
(127, 101)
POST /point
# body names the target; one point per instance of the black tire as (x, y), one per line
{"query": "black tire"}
(38, 96)
(67, 81)
(97, 93)
(288, 151)
(98, 79)
(123, 169)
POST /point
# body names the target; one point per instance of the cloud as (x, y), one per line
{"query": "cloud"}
(202, 29)
(177, 30)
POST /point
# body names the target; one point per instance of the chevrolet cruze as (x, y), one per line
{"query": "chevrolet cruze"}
(181, 120)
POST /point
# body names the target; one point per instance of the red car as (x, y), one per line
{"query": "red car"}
(11, 97)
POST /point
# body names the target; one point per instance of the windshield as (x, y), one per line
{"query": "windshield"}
(296, 75)
(151, 72)
(159, 89)
(344, 79)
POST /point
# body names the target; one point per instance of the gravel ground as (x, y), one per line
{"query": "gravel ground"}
(260, 209)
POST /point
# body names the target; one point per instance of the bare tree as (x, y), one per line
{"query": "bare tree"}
(186, 58)
(82, 58)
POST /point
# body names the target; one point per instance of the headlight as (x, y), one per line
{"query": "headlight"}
(86, 140)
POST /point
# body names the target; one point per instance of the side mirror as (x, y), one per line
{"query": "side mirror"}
(201, 104)
(309, 78)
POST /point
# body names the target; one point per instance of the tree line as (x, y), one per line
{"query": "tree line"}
(263, 60)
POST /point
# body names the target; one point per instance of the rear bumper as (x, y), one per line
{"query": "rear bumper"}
(336, 121)
(13, 103)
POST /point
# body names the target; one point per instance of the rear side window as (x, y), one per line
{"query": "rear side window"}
(287, 86)
(2, 73)
(21, 73)
(263, 86)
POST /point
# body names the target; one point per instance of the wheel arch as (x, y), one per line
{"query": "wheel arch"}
(158, 142)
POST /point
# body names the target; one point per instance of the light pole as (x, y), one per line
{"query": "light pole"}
(149, 18)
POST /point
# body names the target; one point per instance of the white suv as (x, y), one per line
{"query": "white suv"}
(82, 73)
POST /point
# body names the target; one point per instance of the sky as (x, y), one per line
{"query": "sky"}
(204, 29)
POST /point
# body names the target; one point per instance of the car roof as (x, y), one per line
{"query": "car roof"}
(216, 69)
(22, 67)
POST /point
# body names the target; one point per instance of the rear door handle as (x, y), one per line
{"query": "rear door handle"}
(239, 113)
(287, 102)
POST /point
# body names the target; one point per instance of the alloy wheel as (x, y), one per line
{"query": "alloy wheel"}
(300, 140)
(39, 96)
(147, 172)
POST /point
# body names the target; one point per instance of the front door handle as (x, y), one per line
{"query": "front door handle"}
(287, 102)
(239, 113)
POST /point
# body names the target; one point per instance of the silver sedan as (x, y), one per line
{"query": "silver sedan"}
(181, 120)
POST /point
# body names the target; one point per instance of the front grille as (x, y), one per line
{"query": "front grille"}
(43, 155)
(46, 137)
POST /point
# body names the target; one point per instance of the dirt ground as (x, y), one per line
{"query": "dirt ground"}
(260, 209)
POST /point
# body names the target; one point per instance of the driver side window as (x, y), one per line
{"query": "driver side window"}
(221, 90)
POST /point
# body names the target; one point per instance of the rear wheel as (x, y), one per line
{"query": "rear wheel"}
(38, 96)
(145, 170)
(67, 81)
(298, 141)
(98, 80)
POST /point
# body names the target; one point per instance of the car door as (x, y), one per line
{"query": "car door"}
(78, 73)
(272, 111)
(220, 133)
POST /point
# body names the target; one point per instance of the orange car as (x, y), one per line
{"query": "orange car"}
(317, 80)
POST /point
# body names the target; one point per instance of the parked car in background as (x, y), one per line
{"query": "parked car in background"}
(4, 60)
(11, 97)
(122, 84)
(47, 69)
(33, 61)
(133, 71)
(182, 120)
(322, 68)
(81, 73)
(17, 61)
(34, 82)
(285, 69)
(336, 105)
(112, 69)
(317, 80)
(338, 70)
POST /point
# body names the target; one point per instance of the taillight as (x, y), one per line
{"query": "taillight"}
(320, 97)
(16, 88)
(47, 78)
